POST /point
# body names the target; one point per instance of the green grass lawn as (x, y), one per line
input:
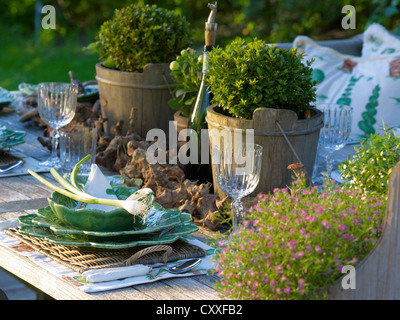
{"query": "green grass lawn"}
(23, 60)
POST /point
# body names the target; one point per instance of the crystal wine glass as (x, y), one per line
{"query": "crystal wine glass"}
(336, 131)
(237, 172)
(57, 105)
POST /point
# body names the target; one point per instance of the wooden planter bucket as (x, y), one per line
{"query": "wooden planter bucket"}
(146, 92)
(377, 276)
(277, 155)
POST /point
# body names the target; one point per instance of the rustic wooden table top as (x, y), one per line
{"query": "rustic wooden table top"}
(19, 194)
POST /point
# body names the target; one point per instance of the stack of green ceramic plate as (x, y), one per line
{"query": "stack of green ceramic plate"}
(5, 98)
(91, 91)
(91, 94)
(161, 226)
(9, 138)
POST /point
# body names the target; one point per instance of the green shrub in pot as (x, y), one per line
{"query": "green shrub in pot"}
(265, 89)
(138, 35)
(248, 75)
(136, 47)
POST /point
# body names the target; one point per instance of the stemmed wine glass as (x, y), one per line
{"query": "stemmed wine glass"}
(336, 131)
(237, 172)
(57, 105)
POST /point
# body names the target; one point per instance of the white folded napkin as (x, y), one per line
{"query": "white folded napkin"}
(96, 185)
(6, 224)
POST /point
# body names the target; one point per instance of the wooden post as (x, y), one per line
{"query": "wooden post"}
(378, 275)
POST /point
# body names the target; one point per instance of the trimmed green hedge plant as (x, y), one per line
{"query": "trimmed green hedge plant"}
(248, 75)
(136, 36)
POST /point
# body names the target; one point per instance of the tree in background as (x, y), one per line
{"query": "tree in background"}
(270, 20)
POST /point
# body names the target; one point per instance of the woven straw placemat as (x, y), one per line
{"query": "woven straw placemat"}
(83, 259)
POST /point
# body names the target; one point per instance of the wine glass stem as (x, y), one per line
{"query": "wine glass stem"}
(237, 214)
(54, 142)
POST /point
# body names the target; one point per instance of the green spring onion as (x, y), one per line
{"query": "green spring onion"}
(135, 204)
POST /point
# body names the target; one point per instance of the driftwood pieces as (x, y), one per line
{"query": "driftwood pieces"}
(377, 276)
(127, 155)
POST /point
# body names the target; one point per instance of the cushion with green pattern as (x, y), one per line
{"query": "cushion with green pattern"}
(368, 83)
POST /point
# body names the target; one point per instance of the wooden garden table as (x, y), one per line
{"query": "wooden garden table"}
(24, 194)
(21, 195)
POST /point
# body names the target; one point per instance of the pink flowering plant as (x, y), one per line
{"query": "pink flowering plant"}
(295, 242)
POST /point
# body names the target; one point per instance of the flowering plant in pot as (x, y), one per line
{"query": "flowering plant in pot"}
(136, 46)
(186, 73)
(255, 86)
(370, 167)
(297, 242)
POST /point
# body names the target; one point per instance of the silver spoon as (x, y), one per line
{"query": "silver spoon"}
(181, 267)
(10, 167)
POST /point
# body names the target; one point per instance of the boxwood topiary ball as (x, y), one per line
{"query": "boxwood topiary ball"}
(136, 36)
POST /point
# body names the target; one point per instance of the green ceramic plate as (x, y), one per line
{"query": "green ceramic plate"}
(5, 133)
(157, 220)
(26, 88)
(29, 228)
(76, 215)
(91, 94)
(6, 98)
(9, 144)
(9, 138)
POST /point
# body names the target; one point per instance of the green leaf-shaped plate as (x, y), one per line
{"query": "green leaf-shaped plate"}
(5, 98)
(16, 139)
(9, 138)
(157, 220)
(5, 133)
(27, 88)
(78, 216)
(30, 229)
(91, 94)
(91, 91)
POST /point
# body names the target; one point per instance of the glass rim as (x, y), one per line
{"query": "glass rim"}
(56, 84)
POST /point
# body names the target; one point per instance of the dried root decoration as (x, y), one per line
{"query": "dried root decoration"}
(171, 188)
